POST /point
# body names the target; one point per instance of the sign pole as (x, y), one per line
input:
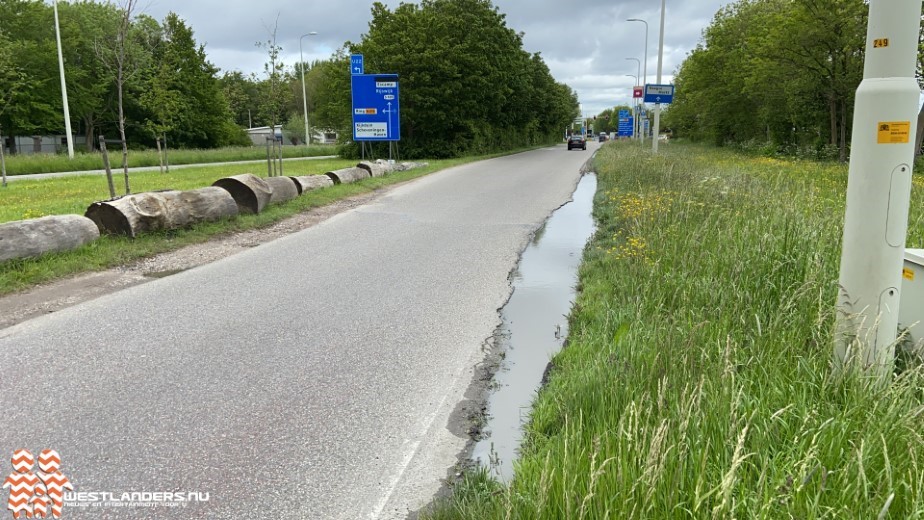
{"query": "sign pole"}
(878, 190)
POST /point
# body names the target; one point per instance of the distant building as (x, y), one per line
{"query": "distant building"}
(38, 144)
(259, 134)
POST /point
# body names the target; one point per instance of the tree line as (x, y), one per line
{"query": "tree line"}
(780, 73)
(467, 85)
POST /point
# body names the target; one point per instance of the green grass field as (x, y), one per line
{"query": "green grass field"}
(696, 382)
(22, 164)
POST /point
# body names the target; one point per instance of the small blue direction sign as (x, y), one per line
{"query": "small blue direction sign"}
(356, 64)
(376, 108)
(625, 126)
(659, 93)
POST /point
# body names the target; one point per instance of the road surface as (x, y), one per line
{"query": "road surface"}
(314, 376)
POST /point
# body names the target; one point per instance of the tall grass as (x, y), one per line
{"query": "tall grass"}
(22, 164)
(696, 382)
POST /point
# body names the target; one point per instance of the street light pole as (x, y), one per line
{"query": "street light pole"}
(304, 92)
(634, 100)
(67, 112)
(634, 108)
(657, 117)
(645, 73)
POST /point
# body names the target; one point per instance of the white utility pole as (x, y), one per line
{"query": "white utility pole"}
(657, 118)
(67, 112)
(304, 92)
(879, 189)
(645, 70)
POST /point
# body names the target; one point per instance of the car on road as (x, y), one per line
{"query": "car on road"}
(577, 141)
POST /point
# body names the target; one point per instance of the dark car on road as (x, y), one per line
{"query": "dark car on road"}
(577, 141)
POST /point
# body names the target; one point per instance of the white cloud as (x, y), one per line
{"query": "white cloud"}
(584, 43)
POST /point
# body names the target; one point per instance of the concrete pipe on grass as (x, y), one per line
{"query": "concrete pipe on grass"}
(37, 236)
(139, 213)
(348, 175)
(281, 189)
(312, 182)
(251, 193)
(375, 169)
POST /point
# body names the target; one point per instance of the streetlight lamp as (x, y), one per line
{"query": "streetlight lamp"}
(67, 112)
(634, 100)
(635, 106)
(645, 76)
(304, 92)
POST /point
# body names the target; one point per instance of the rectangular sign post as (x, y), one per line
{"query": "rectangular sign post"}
(638, 92)
(376, 108)
(624, 128)
(659, 93)
(356, 64)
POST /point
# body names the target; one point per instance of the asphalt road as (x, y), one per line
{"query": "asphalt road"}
(314, 376)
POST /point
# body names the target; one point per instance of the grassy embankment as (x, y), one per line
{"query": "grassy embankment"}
(696, 381)
(24, 199)
(47, 163)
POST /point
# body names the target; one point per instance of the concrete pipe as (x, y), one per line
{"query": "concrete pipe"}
(37, 236)
(139, 213)
(348, 175)
(251, 193)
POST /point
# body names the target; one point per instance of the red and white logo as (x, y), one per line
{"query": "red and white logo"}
(31, 493)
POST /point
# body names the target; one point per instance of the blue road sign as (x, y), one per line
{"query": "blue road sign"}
(625, 127)
(376, 109)
(356, 64)
(623, 113)
(659, 93)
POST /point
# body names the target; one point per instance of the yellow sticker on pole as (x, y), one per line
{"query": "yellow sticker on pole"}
(894, 132)
(908, 274)
(879, 43)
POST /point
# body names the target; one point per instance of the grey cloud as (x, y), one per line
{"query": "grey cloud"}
(585, 42)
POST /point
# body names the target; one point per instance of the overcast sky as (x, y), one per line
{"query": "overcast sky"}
(585, 43)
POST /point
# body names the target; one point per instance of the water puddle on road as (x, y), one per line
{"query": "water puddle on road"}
(535, 325)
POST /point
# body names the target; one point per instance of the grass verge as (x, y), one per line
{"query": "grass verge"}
(22, 164)
(696, 380)
(37, 198)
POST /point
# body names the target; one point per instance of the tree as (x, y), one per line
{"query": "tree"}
(779, 71)
(12, 80)
(242, 95)
(124, 55)
(29, 29)
(274, 95)
(90, 83)
(184, 95)
(467, 84)
(330, 94)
